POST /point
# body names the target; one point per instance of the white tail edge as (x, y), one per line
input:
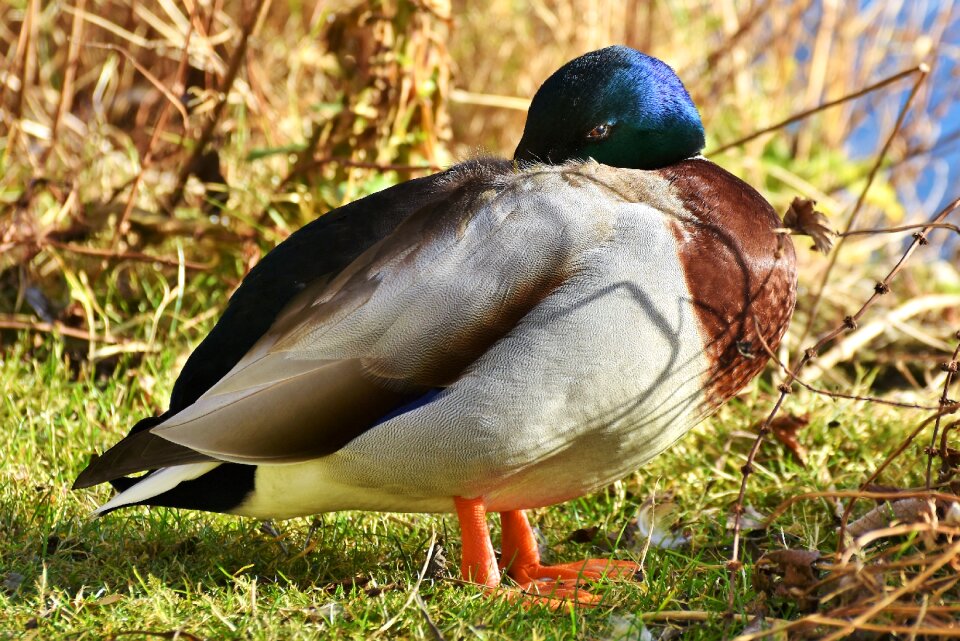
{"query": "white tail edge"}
(166, 478)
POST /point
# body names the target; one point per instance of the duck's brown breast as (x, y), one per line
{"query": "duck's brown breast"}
(740, 272)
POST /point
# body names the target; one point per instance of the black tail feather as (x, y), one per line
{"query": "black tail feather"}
(137, 452)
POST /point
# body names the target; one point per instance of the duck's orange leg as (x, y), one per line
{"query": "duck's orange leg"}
(521, 560)
(479, 564)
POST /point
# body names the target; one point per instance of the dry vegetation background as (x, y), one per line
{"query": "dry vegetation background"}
(153, 149)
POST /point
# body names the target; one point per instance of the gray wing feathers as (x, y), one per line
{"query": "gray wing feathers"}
(292, 418)
(128, 457)
(410, 314)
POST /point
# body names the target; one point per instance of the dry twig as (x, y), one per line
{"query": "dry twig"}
(850, 322)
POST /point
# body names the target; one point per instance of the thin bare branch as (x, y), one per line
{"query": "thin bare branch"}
(126, 255)
(65, 100)
(950, 367)
(206, 134)
(7, 322)
(850, 322)
(124, 223)
(347, 162)
(921, 69)
(858, 494)
(901, 228)
(822, 392)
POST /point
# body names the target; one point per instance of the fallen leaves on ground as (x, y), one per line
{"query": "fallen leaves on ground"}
(895, 573)
(788, 576)
(656, 524)
(785, 429)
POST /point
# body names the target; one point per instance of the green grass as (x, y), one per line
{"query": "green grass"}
(63, 575)
(213, 576)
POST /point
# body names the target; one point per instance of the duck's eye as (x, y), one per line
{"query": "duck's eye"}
(600, 132)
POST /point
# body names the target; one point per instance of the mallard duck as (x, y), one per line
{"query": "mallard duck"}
(500, 336)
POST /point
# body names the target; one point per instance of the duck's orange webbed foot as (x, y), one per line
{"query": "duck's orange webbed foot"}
(521, 560)
(552, 586)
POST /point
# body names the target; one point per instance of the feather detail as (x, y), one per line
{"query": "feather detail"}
(409, 315)
(137, 452)
(283, 410)
(156, 483)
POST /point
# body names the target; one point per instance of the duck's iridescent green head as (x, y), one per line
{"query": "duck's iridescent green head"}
(617, 106)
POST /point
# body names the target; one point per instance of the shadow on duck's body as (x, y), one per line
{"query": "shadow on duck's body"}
(498, 336)
(630, 321)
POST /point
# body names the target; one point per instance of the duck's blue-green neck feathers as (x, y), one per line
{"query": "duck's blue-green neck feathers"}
(617, 106)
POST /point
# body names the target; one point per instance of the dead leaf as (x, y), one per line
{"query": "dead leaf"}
(912, 510)
(347, 585)
(788, 575)
(750, 519)
(437, 565)
(584, 535)
(377, 590)
(654, 523)
(785, 430)
(952, 515)
(803, 219)
(326, 613)
(755, 625)
(110, 599)
(12, 582)
(627, 627)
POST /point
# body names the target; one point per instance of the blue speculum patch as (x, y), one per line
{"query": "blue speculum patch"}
(412, 405)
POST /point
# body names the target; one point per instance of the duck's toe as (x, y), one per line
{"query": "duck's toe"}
(564, 585)
(552, 586)
(588, 569)
(561, 594)
(564, 582)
